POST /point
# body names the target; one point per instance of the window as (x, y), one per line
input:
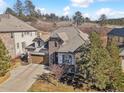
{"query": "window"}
(27, 33)
(63, 58)
(22, 34)
(67, 59)
(39, 43)
(23, 44)
(70, 59)
(55, 44)
(12, 35)
(31, 33)
(35, 33)
(17, 45)
(118, 39)
(121, 39)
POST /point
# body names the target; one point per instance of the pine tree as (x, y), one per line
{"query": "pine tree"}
(29, 8)
(4, 59)
(116, 73)
(78, 18)
(18, 7)
(100, 67)
(102, 19)
(99, 61)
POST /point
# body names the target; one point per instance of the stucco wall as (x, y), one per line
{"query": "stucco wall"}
(60, 61)
(52, 47)
(9, 43)
(27, 38)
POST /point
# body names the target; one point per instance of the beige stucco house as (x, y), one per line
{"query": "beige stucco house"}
(15, 34)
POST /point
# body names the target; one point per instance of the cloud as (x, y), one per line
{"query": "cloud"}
(110, 13)
(43, 10)
(3, 5)
(81, 3)
(86, 15)
(105, 11)
(66, 10)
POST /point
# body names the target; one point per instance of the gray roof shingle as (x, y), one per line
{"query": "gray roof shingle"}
(9, 23)
(117, 32)
(73, 39)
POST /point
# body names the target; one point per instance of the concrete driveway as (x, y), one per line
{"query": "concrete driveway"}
(22, 78)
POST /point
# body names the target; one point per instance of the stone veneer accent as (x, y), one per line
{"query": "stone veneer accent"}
(9, 43)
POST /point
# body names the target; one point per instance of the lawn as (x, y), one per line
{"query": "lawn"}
(52, 86)
(41, 86)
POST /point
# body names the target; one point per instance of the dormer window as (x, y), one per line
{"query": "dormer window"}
(39, 43)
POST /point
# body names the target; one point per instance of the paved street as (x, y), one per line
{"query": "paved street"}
(22, 78)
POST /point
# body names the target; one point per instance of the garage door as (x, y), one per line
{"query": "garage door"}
(38, 59)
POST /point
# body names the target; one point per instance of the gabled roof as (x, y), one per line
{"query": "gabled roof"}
(73, 38)
(117, 32)
(9, 23)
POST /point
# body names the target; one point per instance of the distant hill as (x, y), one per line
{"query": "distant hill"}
(118, 21)
(48, 26)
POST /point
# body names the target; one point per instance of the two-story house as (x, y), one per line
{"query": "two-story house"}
(15, 34)
(63, 44)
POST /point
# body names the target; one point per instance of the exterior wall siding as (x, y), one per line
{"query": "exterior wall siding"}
(52, 50)
(22, 37)
(52, 47)
(9, 43)
(117, 39)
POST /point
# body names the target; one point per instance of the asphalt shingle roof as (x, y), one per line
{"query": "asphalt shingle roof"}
(74, 41)
(9, 23)
(117, 32)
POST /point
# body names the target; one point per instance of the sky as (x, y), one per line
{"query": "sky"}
(88, 8)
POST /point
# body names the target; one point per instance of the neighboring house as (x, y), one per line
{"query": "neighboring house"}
(15, 34)
(117, 35)
(63, 44)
